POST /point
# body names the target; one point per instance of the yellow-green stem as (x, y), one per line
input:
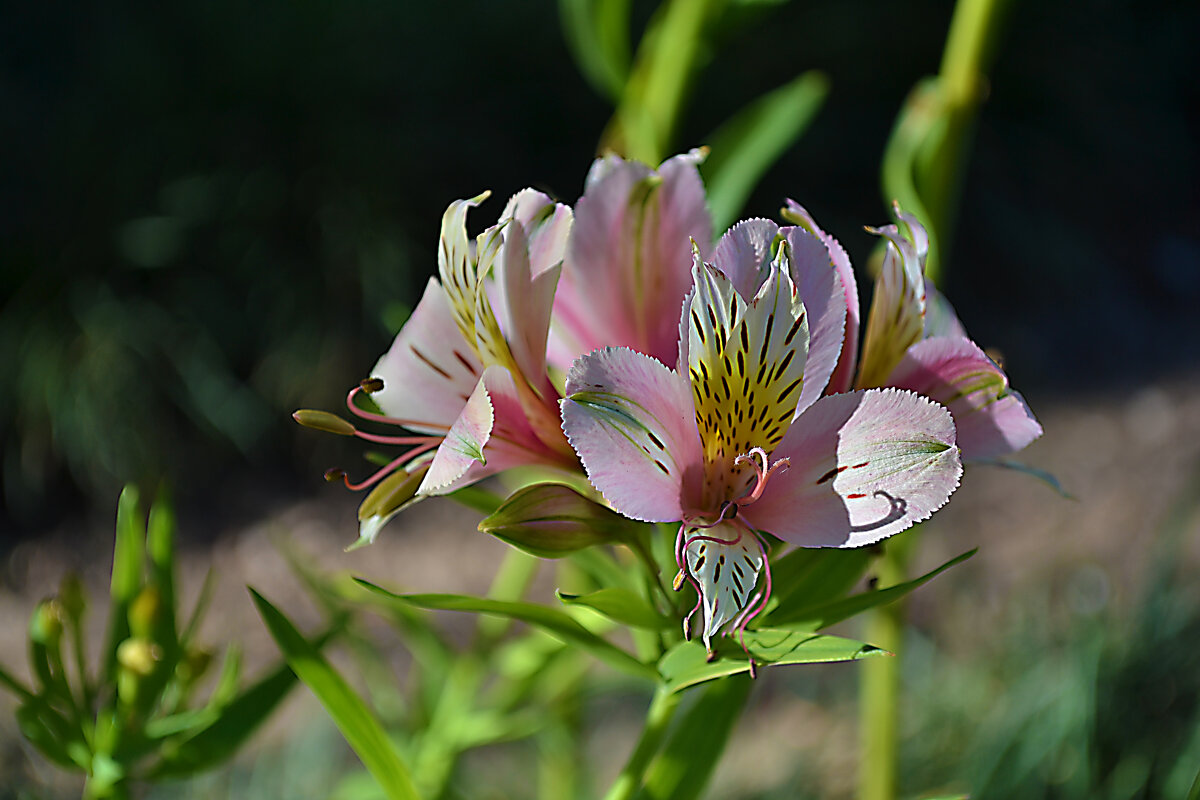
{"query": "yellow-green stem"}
(879, 687)
(658, 718)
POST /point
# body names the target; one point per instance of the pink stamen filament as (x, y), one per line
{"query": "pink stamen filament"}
(404, 423)
(374, 437)
(391, 467)
(762, 472)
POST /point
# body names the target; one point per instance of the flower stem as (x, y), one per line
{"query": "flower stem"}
(879, 683)
(658, 718)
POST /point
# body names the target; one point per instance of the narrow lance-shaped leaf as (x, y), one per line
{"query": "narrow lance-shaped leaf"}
(360, 727)
(821, 616)
(620, 605)
(128, 560)
(746, 146)
(552, 621)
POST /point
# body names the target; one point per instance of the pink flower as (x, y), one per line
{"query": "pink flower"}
(629, 258)
(468, 370)
(913, 340)
(737, 441)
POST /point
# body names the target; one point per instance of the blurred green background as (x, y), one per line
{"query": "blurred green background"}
(212, 213)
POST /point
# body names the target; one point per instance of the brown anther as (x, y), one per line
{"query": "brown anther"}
(677, 584)
(334, 474)
(712, 655)
(371, 385)
(753, 670)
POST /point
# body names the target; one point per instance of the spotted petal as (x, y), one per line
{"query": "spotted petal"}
(863, 466)
(626, 270)
(429, 372)
(992, 419)
(632, 423)
(725, 561)
(746, 364)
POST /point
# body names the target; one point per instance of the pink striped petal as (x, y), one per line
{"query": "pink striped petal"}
(464, 444)
(863, 466)
(525, 310)
(547, 225)
(632, 423)
(429, 372)
(843, 375)
(992, 419)
(628, 262)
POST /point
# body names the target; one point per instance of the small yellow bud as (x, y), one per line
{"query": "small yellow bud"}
(138, 656)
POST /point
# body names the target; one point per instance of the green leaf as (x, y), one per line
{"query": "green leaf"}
(597, 33)
(128, 561)
(551, 620)
(360, 727)
(686, 664)
(35, 721)
(826, 614)
(233, 720)
(1041, 474)
(15, 686)
(808, 577)
(745, 147)
(476, 498)
(683, 768)
(620, 605)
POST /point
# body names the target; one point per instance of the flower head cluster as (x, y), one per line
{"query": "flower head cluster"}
(717, 388)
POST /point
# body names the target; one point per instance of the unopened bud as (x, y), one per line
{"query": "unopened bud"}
(371, 385)
(144, 611)
(138, 656)
(551, 520)
(72, 596)
(392, 492)
(324, 421)
(46, 627)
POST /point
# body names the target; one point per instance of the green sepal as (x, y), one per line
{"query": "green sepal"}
(550, 520)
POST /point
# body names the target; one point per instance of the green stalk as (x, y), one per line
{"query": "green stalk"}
(962, 87)
(658, 718)
(879, 685)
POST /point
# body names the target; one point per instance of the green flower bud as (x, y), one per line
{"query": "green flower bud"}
(72, 596)
(551, 520)
(144, 611)
(46, 627)
(392, 492)
(139, 656)
(324, 421)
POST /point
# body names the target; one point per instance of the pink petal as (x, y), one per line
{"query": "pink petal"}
(628, 262)
(491, 434)
(816, 279)
(863, 466)
(526, 305)
(897, 317)
(940, 319)
(463, 445)
(744, 254)
(429, 372)
(632, 423)
(991, 418)
(547, 226)
(843, 374)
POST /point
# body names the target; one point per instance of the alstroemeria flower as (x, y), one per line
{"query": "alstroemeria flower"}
(736, 441)
(467, 373)
(913, 340)
(629, 258)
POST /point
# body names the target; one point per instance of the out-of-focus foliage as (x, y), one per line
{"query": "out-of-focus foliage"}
(132, 718)
(211, 215)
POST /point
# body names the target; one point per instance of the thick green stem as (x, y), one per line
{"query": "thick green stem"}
(879, 687)
(658, 719)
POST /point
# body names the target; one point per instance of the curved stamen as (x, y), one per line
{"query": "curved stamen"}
(374, 437)
(762, 473)
(391, 467)
(404, 423)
